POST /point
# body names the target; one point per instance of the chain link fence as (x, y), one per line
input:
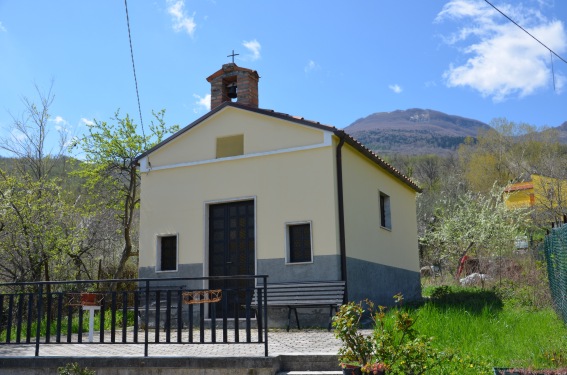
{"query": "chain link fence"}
(556, 256)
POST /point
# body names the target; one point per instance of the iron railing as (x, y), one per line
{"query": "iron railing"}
(136, 311)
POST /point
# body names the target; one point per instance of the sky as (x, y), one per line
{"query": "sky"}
(332, 61)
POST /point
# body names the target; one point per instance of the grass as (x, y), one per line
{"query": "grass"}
(484, 330)
(74, 325)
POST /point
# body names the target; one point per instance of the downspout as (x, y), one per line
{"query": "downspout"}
(340, 202)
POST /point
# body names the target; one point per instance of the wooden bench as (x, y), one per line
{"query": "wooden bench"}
(304, 295)
(156, 304)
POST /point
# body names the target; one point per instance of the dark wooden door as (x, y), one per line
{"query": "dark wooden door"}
(231, 251)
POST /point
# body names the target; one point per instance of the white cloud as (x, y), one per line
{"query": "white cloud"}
(395, 88)
(254, 48)
(203, 103)
(311, 66)
(59, 120)
(502, 61)
(2, 28)
(181, 21)
(86, 121)
(61, 125)
(17, 135)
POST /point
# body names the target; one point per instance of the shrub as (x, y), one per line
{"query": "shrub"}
(74, 369)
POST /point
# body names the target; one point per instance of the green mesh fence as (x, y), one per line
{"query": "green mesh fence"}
(556, 257)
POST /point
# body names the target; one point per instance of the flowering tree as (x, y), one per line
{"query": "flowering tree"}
(474, 224)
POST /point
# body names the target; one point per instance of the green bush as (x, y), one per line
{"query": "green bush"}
(74, 369)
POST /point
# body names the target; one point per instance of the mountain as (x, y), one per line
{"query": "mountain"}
(562, 132)
(414, 131)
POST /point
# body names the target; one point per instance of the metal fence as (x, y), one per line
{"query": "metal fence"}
(555, 247)
(135, 311)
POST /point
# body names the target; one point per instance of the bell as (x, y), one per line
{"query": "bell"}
(232, 92)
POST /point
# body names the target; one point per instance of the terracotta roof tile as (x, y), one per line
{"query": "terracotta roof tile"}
(519, 186)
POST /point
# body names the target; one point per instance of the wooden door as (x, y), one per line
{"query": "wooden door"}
(231, 250)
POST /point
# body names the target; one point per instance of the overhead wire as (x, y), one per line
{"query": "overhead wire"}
(134, 69)
(527, 32)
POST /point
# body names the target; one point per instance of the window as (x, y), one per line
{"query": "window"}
(166, 253)
(299, 243)
(230, 146)
(385, 219)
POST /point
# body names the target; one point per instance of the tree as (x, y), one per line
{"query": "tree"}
(111, 173)
(486, 159)
(28, 138)
(35, 233)
(477, 224)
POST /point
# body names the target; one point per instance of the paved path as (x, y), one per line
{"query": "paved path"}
(280, 343)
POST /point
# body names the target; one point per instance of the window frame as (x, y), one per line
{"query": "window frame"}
(158, 265)
(385, 210)
(288, 249)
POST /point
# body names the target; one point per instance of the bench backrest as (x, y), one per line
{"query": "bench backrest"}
(304, 293)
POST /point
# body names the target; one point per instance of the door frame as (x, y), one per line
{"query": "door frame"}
(206, 206)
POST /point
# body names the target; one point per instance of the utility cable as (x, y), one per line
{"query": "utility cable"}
(552, 70)
(527, 32)
(134, 69)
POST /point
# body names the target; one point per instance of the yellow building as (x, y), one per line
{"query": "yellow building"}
(546, 195)
(520, 195)
(244, 190)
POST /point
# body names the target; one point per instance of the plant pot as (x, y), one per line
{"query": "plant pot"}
(90, 299)
(351, 370)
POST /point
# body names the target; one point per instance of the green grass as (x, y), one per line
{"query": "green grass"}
(482, 328)
(74, 325)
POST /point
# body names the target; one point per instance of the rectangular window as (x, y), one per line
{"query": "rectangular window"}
(167, 253)
(385, 218)
(299, 243)
(230, 146)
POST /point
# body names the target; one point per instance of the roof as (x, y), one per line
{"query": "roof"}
(351, 141)
(519, 186)
(230, 67)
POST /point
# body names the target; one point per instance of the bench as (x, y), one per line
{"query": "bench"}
(160, 304)
(304, 295)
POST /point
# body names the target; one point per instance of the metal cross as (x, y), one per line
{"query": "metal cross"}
(233, 54)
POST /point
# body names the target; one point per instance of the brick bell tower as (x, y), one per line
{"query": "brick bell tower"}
(233, 82)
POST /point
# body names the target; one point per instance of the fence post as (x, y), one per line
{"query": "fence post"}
(147, 318)
(265, 280)
(39, 314)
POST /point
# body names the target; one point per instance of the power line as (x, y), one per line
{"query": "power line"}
(527, 32)
(134, 68)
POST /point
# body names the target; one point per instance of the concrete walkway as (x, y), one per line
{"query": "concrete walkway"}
(311, 352)
(280, 342)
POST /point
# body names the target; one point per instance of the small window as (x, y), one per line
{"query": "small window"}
(385, 218)
(299, 243)
(167, 253)
(230, 146)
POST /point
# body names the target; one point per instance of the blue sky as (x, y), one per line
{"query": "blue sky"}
(329, 61)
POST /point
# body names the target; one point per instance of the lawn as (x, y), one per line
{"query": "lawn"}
(487, 328)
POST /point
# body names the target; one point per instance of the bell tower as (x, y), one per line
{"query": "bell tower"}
(233, 82)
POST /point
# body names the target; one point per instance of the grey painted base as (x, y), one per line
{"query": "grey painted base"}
(323, 268)
(376, 282)
(184, 270)
(380, 283)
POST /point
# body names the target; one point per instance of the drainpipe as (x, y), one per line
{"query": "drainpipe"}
(342, 240)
